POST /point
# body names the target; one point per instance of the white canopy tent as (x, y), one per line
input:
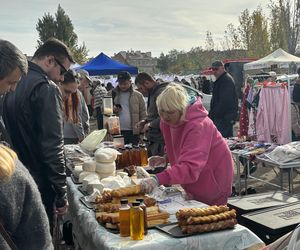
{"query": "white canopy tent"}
(279, 57)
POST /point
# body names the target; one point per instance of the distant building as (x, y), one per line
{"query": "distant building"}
(143, 60)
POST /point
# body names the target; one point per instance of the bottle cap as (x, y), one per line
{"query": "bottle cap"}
(135, 203)
(124, 201)
(140, 200)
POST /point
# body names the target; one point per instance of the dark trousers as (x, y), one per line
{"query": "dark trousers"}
(225, 127)
(99, 118)
(129, 137)
(48, 198)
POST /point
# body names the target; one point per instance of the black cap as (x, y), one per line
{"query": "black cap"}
(135, 203)
(123, 76)
(124, 201)
(141, 200)
(217, 64)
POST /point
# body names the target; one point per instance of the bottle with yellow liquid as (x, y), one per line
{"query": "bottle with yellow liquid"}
(143, 206)
(124, 216)
(143, 155)
(136, 221)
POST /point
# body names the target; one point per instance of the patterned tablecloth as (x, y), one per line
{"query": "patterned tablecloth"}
(89, 235)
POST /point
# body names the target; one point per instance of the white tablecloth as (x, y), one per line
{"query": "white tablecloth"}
(89, 235)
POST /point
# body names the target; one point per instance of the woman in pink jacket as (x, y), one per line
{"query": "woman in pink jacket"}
(199, 157)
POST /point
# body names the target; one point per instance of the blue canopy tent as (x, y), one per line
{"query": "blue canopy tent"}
(104, 65)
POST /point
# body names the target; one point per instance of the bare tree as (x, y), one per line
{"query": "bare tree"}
(285, 24)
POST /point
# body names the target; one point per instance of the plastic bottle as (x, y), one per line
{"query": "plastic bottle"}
(119, 159)
(130, 154)
(144, 155)
(137, 156)
(136, 221)
(125, 157)
(143, 206)
(124, 216)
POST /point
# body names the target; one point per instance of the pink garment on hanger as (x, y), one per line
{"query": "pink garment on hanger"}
(272, 116)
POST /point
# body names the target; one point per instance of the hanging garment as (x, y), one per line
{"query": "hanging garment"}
(272, 116)
(251, 127)
(244, 120)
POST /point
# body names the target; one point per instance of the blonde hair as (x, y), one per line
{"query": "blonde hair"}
(173, 98)
(7, 162)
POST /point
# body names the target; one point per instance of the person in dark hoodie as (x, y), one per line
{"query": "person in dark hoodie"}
(224, 102)
(150, 125)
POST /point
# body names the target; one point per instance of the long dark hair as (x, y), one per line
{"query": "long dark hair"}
(71, 104)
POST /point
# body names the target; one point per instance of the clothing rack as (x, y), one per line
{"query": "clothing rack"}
(289, 96)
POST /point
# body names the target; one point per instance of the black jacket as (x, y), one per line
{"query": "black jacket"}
(154, 134)
(33, 118)
(224, 102)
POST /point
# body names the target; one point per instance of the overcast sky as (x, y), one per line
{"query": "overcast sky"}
(110, 26)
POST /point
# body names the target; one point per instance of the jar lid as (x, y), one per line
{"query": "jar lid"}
(135, 203)
(124, 201)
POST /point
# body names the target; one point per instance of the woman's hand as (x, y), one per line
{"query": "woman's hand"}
(149, 184)
(156, 161)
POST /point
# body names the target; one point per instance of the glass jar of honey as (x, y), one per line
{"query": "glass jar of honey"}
(144, 155)
(136, 156)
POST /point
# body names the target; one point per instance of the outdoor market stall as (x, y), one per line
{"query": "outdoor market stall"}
(89, 234)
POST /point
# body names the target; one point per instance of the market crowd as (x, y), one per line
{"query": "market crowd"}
(46, 105)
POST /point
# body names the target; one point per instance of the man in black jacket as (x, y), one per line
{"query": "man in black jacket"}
(224, 102)
(33, 117)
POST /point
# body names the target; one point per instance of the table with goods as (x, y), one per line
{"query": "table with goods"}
(108, 209)
(285, 158)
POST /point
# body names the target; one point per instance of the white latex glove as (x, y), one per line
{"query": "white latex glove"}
(156, 161)
(148, 184)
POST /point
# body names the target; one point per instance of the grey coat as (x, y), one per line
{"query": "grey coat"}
(22, 212)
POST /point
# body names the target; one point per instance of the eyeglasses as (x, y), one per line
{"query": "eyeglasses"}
(214, 69)
(63, 70)
(163, 112)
